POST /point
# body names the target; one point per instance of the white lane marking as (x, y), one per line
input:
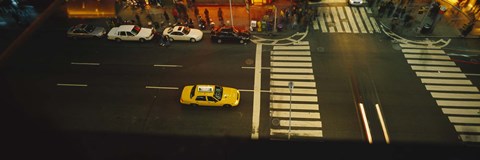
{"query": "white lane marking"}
(256, 94)
(294, 91)
(369, 10)
(343, 20)
(465, 128)
(365, 19)
(71, 85)
(87, 64)
(290, 53)
(470, 138)
(166, 65)
(286, 114)
(458, 103)
(298, 123)
(297, 132)
(291, 64)
(292, 76)
(365, 123)
(461, 111)
(254, 68)
(431, 62)
(321, 20)
(336, 20)
(291, 48)
(250, 90)
(418, 46)
(328, 18)
(291, 70)
(427, 51)
(436, 74)
(446, 81)
(382, 122)
(358, 17)
(427, 56)
(455, 95)
(315, 25)
(290, 58)
(301, 43)
(451, 88)
(468, 120)
(297, 83)
(157, 87)
(296, 106)
(294, 98)
(375, 25)
(351, 19)
(436, 68)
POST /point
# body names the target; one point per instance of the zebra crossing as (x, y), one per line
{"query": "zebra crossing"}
(345, 19)
(453, 92)
(295, 114)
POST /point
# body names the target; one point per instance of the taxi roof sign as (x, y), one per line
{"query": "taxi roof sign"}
(205, 89)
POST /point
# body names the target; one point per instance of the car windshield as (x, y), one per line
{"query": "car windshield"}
(136, 30)
(218, 92)
(89, 28)
(186, 30)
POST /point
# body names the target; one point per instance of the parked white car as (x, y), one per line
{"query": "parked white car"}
(131, 33)
(183, 33)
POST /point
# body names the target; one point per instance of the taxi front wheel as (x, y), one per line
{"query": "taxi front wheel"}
(227, 106)
(194, 105)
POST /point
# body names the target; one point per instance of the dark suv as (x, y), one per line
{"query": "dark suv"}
(229, 34)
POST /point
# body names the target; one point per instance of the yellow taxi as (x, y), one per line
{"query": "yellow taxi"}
(210, 95)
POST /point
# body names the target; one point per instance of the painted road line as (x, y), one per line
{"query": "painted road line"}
(250, 90)
(296, 83)
(452, 88)
(365, 19)
(321, 20)
(254, 68)
(470, 138)
(427, 56)
(454, 95)
(290, 58)
(86, 64)
(382, 122)
(71, 85)
(446, 81)
(328, 19)
(458, 103)
(291, 64)
(291, 48)
(427, 51)
(294, 91)
(467, 120)
(291, 70)
(436, 68)
(461, 111)
(418, 46)
(369, 11)
(295, 106)
(292, 76)
(297, 123)
(365, 123)
(157, 87)
(351, 19)
(301, 43)
(336, 20)
(294, 98)
(359, 20)
(286, 114)
(375, 25)
(166, 65)
(436, 74)
(315, 25)
(256, 94)
(296, 132)
(343, 20)
(290, 53)
(431, 62)
(465, 128)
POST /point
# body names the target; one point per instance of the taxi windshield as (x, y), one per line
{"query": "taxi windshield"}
(218, 92)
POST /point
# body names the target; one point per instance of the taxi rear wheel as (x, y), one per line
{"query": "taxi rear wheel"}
(194, 105)
(227, 106)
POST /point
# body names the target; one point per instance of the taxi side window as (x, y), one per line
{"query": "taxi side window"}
(201, 98)
(211, 99)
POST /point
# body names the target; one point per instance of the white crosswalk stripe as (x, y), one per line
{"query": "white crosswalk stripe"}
(453, 92)
(296, 111)
(345, 20)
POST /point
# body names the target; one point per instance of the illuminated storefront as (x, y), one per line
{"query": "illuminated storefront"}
(90, 8)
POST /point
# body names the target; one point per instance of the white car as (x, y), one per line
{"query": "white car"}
(130, 33)
(183, 33)
(357, 2)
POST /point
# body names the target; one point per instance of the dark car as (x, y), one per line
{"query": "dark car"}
(229, 34)
(85, 31)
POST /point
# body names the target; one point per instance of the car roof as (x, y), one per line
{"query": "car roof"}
(204, 90)
(125, 27)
